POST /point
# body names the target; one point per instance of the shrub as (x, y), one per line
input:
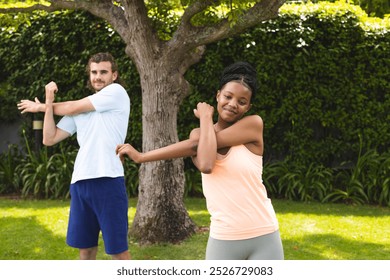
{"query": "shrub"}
(45, 175)
(9, 179)
(323, 81)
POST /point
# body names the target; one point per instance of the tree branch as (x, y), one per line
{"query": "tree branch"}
(55, 5)
(28, 9)
(196, 8)
(104, 9)
(188, 37)
(131, 22)
(141, 40)
(261, 11)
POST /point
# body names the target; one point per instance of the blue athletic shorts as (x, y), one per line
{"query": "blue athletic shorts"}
(99, 204)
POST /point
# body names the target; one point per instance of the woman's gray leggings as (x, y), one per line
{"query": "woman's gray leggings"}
(265, 247)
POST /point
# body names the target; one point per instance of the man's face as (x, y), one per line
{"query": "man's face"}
(101, 75)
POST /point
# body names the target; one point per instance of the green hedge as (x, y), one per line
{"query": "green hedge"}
(323, 72)
(324, 81)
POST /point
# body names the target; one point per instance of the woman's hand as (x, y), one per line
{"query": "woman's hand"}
(203, 110)
(127, 150)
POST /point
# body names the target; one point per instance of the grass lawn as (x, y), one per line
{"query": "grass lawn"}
(35, 230)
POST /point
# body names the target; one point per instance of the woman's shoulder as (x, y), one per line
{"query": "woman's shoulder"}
(253, 120)
(253, 117)
(195, 133)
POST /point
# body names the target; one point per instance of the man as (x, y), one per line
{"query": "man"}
(98, 194)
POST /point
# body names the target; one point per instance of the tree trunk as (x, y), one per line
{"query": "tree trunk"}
(161, 214)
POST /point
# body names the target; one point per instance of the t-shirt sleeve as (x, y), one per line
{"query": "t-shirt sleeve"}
(67, 124)
(109, 98)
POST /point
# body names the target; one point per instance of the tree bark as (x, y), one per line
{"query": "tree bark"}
(161, 214)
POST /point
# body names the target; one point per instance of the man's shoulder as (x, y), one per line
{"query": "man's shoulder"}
(115, 90)
(115, 86)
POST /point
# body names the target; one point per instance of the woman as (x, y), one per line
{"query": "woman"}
(229, 155)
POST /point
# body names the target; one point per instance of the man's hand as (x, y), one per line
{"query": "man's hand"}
(28, 106)
(50, 90)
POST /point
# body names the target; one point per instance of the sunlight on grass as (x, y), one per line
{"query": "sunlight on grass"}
(53, 219)
(310, 231)
(334, 231)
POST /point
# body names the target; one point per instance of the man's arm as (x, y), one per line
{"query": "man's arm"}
(51, 134)
(60, 109)
(75, 107)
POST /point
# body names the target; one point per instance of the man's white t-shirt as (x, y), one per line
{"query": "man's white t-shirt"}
(98, 134)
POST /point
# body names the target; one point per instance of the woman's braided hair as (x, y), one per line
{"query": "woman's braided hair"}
(241, 72)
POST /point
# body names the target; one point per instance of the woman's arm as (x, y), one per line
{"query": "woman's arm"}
(248, 131)
(185, 148)
(206, 152)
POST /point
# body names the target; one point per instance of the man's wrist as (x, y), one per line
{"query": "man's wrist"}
(48, 105)
(42, 107)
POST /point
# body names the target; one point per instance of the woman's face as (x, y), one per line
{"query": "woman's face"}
(233, 101)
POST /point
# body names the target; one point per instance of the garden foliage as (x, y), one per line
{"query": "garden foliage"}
(324, 96)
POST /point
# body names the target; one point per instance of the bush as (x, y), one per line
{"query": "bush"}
(323, 83)
(9, 179)
(44, 174)
(365, 182)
